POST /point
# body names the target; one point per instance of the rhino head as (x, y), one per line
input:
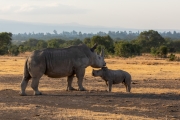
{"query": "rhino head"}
(99, 72)
(97, 60)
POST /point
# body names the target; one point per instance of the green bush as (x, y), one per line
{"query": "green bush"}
(172, 57)
(126, 49)
(13, 50)
(163, 51)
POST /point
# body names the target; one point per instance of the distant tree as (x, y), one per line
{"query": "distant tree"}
(87, 41)
(72, 42)
(171, 50)
(30, 45)
(175, 44)
(115, 35)
(109, 44)
(55, 43)
(55, 32)
(136, 49)
(149, 39)
(163, 51)
(105, 41)
(41, 44)
(154, 51)
(80, 34)
(126, 49)
(75, 42)
(13, 50)
(31, 42)
(172, 45)
(5, 42)
(123, 49)
(21, 49)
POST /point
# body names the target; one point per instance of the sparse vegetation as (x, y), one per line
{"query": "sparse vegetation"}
(173, 57)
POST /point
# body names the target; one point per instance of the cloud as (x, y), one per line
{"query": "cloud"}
(53, 8)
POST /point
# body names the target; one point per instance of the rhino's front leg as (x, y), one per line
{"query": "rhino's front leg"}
(110, 85)
(80, 75)
(69, 80)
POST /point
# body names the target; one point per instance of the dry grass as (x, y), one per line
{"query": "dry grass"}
(11, 65)
(140, 68)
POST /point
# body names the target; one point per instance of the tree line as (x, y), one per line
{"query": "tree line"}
(115, 35)
(146, 42)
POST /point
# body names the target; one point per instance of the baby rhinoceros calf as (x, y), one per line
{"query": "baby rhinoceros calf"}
(114, 77)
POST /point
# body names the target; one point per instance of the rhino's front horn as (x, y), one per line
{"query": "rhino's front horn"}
(102, 52)
(94, 47)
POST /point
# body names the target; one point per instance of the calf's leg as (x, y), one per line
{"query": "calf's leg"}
(127, 84)
(128, 89)
(110, 85)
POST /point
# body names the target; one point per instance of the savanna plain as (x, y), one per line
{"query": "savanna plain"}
(155, 93)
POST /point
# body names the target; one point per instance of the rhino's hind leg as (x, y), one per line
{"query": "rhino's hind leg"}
(24, 85)
(69, 80)
(35, 84)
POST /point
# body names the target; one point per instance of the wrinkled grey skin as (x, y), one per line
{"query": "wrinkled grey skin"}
(114, 77)
(58, 63)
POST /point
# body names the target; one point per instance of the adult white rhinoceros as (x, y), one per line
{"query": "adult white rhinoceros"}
(58, 63)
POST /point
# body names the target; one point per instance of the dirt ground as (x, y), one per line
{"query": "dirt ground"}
(155, 93)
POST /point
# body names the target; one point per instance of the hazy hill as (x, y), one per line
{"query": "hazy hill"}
(22, 27)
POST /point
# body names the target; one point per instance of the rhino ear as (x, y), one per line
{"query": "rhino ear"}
(94, 47)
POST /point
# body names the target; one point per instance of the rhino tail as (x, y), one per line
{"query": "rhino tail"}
(26, 71)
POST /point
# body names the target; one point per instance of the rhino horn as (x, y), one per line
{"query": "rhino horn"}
(102, 52)
(94, 47)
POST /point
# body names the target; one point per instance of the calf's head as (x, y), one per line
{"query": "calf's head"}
(99, 72)
(97, 60)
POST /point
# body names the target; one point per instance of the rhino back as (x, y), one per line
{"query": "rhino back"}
(116, 76)
(62, 62)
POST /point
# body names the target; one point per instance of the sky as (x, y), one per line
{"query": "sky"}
(138, 14)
